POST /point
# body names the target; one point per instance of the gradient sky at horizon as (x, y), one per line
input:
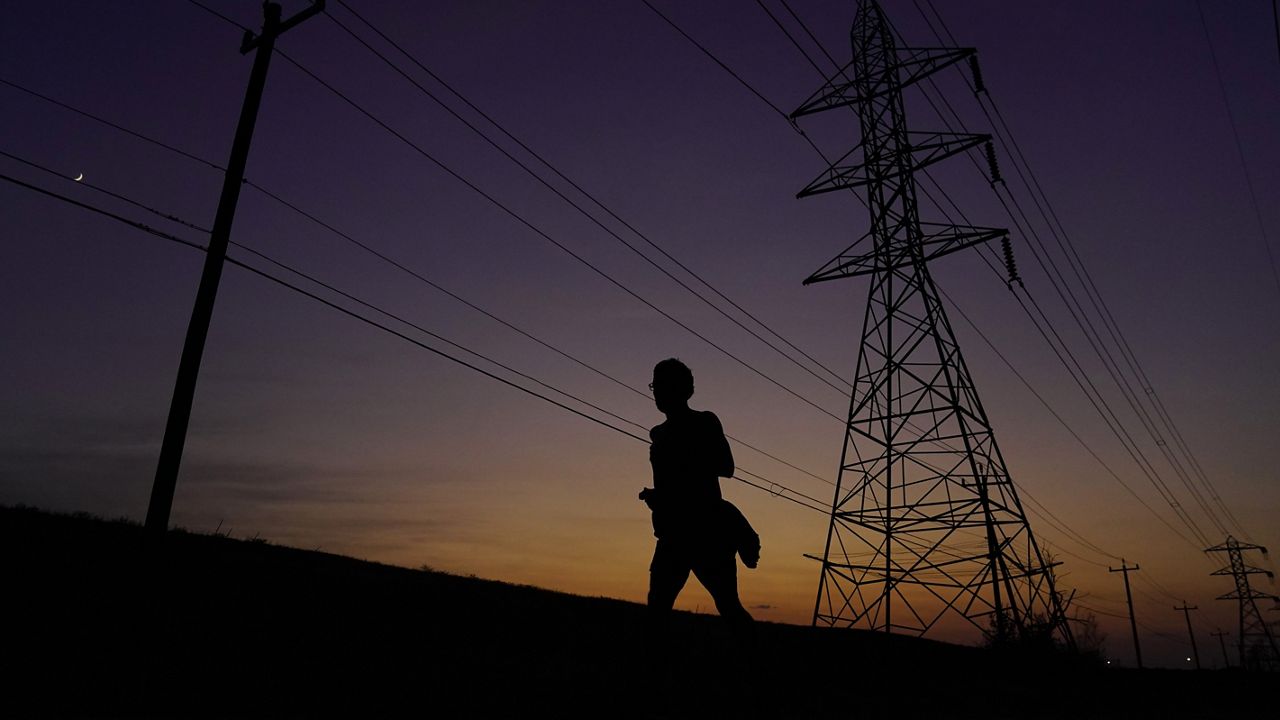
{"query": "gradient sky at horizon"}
(313, 430)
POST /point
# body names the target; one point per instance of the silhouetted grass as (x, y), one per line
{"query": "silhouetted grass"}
(100, 624)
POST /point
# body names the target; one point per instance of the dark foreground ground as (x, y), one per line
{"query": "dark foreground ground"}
(97, 626)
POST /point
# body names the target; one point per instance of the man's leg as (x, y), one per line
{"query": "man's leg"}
(667, 575)
(719, 575)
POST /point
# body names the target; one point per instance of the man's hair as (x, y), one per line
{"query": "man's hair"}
(676, 374)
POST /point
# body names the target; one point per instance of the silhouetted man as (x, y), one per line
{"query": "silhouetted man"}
(696, 529)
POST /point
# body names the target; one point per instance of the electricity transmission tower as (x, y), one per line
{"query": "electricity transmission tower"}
(1257, 644)
(925, 522)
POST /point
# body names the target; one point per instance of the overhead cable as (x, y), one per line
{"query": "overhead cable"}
(777, 489)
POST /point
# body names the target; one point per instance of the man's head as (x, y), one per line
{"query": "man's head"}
(672, 385)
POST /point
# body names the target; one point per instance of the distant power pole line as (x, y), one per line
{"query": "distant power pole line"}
(175, 431)
(1220, 634)
(1257, 645)
(925, 521)
(1186, 611)
(1128, 596)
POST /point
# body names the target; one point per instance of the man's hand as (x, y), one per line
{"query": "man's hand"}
(649, 496)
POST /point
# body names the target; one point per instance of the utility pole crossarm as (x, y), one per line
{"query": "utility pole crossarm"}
(251, 41)
(929, 148)
(936, 240)
(844, 88)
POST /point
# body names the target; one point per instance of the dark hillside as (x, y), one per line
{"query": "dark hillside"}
(213, 627)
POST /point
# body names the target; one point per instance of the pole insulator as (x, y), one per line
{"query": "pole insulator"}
(976, 71)
(993, 164)
(1010, 265)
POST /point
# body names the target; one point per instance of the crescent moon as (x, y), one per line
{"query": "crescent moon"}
(79, 177)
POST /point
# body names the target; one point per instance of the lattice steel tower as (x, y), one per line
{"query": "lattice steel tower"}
(1258, 649)
(925, 522)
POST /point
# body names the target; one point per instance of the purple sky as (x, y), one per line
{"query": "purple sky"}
(314, 430)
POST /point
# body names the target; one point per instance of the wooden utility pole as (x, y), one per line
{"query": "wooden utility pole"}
(1133, 624)
(1223, 643)
(175, 431)
(1186, 611)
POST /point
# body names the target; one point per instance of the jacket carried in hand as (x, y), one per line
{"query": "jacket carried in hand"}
(725, 527)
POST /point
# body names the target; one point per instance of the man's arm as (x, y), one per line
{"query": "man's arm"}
(721, 454)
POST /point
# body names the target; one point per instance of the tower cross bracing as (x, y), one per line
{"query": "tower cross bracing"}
(925, 522)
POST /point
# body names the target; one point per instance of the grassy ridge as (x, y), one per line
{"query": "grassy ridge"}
(208, 626)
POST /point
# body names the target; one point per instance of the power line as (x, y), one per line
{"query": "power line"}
(808, 32)
(92, 186)
(1106, 415)
(1064, 355)
(1055, 225)
(219, 15)
(576, 206)
(105, 213)
(196, 246)
(717, 61)
(1058, 281)
(1161, 633)
(1066, 529)
(578, 187)
(520, 219)
(774, 488)
(424, 346)
(498, 319)
(364, 246)
(1096, 611)
(794, 42)
(545, 236)
(108, 123)
(1149, 579)
(1094, 339)
(1063, 422)
(1235, 134)
(1051, 545)
(425, 331)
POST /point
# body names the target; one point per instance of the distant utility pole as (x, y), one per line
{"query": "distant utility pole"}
(1258, 649)
(1186, 611)
(1133, 624)
(1223, 643)
(175, 431)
